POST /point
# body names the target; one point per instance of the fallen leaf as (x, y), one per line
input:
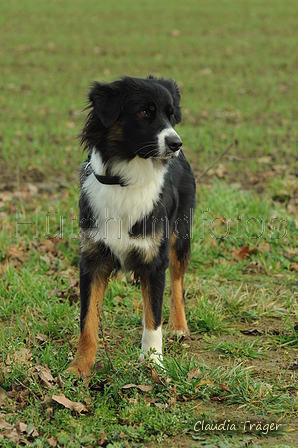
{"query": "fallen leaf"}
(103, 438)
(172, 401)
(3, 398)
(224, 387)
(4, 424)
(21, 427)
(145, 388)
(44, 375)
(294, 267)
(208, 383)
(72, 405)
(175, 33)
(52, 441)
(194, 373)
(156, 378)
(21, 356)
(161, 405)
(265, 159)
(220, 171)
(31, 430)
(46, 378)
(14, 252)
(50, 245)
(42, 338)
(252, 332)
(217, 399)
(244, 252)
(141, 387)
(128, 386)
(13, 435)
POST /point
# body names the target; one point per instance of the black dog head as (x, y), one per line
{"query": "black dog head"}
(134, 116)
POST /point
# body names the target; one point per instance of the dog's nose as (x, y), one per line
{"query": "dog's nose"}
(173, 142)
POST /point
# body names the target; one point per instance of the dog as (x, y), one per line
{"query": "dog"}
(136, 206)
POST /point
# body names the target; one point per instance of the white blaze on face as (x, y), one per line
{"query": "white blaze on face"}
(161, 140)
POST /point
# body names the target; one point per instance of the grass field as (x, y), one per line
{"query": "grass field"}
(233, 383)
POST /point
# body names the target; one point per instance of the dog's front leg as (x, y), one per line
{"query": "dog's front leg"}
(152, 293)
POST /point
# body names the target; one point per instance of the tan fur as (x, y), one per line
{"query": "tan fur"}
(177, 308)
(147, 314)
(85, 356)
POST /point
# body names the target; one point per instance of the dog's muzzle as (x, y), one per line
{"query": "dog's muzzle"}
(173, 143)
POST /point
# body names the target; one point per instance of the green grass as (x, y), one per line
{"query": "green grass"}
(236, 66)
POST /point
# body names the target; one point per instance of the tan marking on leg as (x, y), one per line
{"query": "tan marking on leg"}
(177, 308)
(148, 317)
(85, 356)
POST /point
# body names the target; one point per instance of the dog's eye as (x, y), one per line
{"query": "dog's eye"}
(144, 113)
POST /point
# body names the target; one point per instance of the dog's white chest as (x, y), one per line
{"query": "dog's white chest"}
(116, 209)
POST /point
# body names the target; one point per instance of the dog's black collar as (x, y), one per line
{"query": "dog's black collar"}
(110, 180)
(106, 180)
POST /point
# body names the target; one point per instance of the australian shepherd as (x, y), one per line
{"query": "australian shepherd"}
(136, 206)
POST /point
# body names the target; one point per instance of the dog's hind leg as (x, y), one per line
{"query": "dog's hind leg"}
(93, 282)
(179, 262)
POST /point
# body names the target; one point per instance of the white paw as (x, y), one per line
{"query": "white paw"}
(154, 357)
(152, 345)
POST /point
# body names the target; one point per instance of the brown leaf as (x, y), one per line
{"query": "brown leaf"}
(32, 431)
(194, 373)
(145, 388)
(3, 398)
(172, 401)
(13, 435)
(52, 441)
(72, 405)
(44, 375)
(224, 387)
(21, 427)
(46, 378)
(217, 399)
(129, 386)
(252, 332)
(4, 424)
(294, 267)
(161, 405)
(21, 356)
(175, 33)
(46, 259)
(136, 401)
(50, 245)
(243, 253)
(141, 387)
(42, 338)
(208, 383)
(156, 378)
(103, 438)
(15, 252)
(220, 171)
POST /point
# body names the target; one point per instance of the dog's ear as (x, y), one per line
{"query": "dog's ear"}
(107, 102)
(174, 90)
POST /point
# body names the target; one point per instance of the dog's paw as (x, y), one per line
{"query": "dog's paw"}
(181, 333)
(80, 369)
(152, 357)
